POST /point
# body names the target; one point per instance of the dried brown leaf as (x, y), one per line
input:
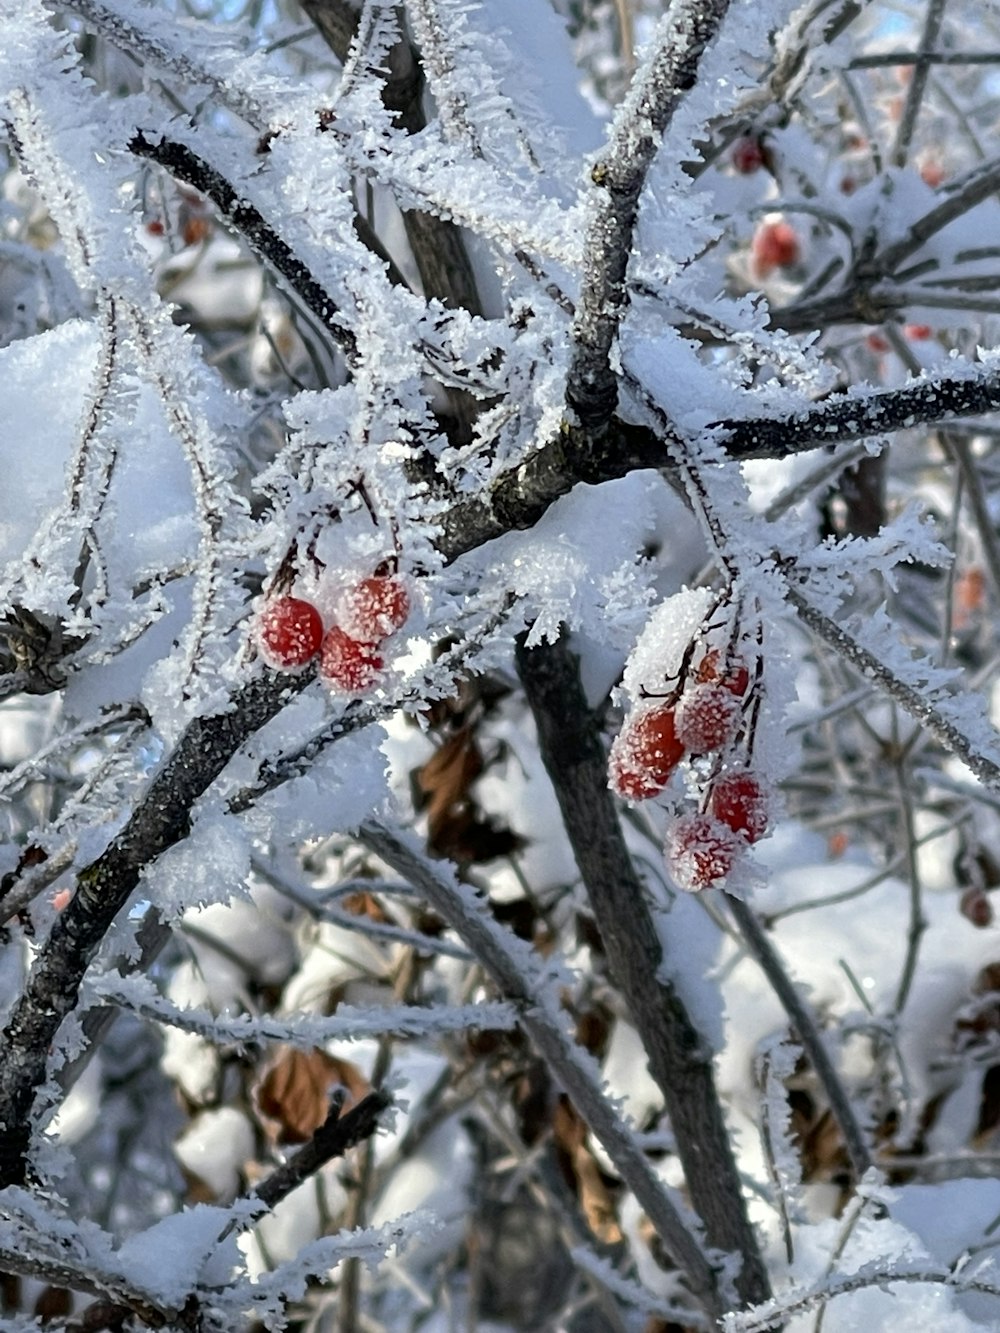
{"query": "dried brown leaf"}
(295, 1091)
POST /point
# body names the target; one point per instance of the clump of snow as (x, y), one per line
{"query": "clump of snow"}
(212, 865)
(169, 1259)
(37, 444)
(216, 1147)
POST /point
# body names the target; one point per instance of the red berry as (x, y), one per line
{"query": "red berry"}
(976, 906)
(374, 608)
(917, 332)
(775, 245)
(346, 665)
(738, 801)
(708, 667)
(747, 155)
(701, 852)
(736, 679)
(289, 632)
(708, 717)
(645, 753)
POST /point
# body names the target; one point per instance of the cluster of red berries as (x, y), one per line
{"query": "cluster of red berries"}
(290, 632)
(705, 720)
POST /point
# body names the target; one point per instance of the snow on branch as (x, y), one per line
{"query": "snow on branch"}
(187, 166)
(881, 1273)
(520, 977)
(350, 1023)
(620, 173)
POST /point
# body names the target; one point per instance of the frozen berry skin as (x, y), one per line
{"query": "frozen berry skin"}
(739, 802)
(736, 678)
(644, 754)
(347, 665)
(700, 852)
(289, 633)
(374, 608)
(708, 717)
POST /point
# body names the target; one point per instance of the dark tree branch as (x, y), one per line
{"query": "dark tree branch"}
(187, 166)
(333, 1138)
(680, 1060)
(520, 497)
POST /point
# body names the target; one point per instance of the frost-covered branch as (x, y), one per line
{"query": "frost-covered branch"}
(520, 975)
(307, 1031)
(679, 1057)
(438, 247)
(518, 498)
(189, 167)
(881, 1273)
(681, 39)
(161, 818)
(946, 720)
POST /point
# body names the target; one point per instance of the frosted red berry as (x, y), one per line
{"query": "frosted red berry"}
(736, 678)
(701, 852)
(645, 753)
(289, 632)
(347, 665)
(708, 667)
(747, 155)
(738, 801)
(374, 608)
(708, 717)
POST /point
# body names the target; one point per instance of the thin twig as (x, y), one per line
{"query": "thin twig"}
(813, 1042)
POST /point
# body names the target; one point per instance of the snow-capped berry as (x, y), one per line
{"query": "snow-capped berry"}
(644, 753)
(289, 632)
(347, 665)
(700, 852)
(739, 802)
(374, 608)
(708, 717)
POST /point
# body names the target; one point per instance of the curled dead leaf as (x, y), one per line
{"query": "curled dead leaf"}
(294, 1092)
